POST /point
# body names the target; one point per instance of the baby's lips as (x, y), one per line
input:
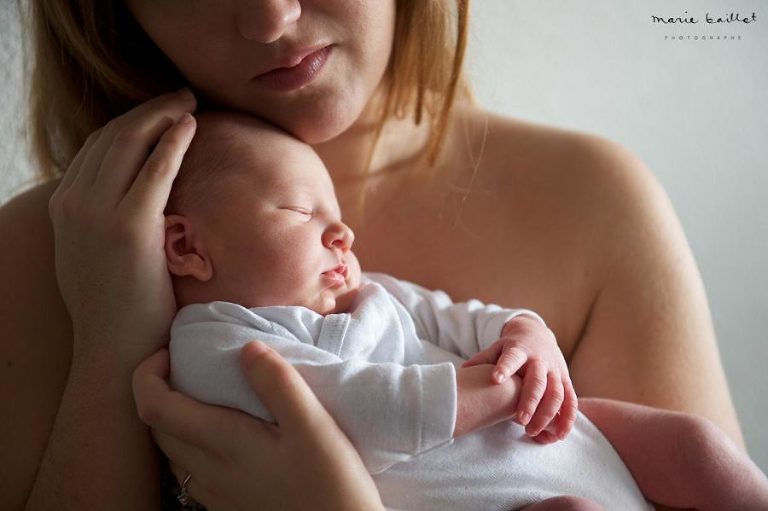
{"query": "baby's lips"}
(341, 269)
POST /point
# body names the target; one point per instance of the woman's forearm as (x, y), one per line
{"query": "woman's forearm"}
(99, 454)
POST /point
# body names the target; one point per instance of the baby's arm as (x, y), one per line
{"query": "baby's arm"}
(480, 401)
(679, 460)
(390, 412)
(547, 404)
(516, 340)
(463, 328)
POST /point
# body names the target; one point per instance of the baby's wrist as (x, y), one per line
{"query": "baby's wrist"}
(480, 401)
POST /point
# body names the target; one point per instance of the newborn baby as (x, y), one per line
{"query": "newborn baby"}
(257, 250)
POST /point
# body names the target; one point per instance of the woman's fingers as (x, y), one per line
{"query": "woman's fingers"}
(133, 139)
(184, 457)
(125, 156)
(74, 167)
(280, 388)
(152, 186)
(196, 486)
(134, 132)
(170, 412)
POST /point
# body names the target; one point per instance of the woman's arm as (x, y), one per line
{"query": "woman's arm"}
(108, 225)
(649, 337)
(36, 351)
(99, 455)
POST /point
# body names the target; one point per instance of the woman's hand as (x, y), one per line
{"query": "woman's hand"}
(547, 404)
(108, 220)
(239, 462)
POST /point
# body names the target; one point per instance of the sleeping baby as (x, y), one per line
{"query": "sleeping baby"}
(438, 397)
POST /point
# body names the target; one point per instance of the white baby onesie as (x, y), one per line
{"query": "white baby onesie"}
(386, 372)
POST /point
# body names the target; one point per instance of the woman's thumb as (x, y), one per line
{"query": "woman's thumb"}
(279, 386)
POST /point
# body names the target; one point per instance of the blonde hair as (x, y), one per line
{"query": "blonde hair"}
(93, 62)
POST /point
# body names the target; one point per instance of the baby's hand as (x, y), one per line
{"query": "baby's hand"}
(547, 404)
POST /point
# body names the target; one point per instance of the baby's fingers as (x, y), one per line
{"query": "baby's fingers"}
(548, 407)
(487, 356)
(534, 385)
(567, 417)
(510, 361)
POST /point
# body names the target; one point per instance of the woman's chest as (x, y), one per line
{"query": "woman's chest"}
(479, 243)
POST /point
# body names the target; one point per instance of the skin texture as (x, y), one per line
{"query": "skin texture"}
(570, 225)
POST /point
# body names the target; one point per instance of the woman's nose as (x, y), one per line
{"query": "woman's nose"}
(265, 21)
(338, 235)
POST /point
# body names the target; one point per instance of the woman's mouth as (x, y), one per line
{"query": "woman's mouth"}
(296, 76)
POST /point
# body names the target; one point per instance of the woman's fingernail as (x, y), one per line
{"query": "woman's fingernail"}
(187, 120)
(498, 376)
(259, 347)
(524, 418)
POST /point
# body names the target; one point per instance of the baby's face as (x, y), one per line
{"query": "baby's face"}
(276, 235)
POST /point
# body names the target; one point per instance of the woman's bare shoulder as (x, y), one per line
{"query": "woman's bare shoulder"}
(574, 174)
(546, 152)
(27, 259)
(580, 212)
(27, 232)
(36, 341)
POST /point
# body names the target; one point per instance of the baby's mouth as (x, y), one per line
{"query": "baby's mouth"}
(338, 275)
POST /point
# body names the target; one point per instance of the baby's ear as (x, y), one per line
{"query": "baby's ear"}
(184, 251)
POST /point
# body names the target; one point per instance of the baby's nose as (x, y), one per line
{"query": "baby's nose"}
(340, 236)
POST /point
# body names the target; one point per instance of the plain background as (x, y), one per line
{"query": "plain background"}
(694, 110)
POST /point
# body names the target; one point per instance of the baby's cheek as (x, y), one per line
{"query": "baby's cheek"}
(354, 270)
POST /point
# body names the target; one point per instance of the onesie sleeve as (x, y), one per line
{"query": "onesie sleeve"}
(390, 412)
(462, 328)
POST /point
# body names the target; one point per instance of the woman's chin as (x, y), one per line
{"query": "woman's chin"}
(322, 127)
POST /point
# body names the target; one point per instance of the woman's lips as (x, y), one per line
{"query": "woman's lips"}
(284, 79)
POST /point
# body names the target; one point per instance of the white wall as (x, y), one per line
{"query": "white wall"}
(695, 111)
(14, 165)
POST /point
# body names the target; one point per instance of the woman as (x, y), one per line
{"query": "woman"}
(567, 224)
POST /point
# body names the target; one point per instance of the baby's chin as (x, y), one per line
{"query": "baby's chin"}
(345, 300)
(336, 302)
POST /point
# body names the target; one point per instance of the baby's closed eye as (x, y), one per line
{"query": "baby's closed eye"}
(299, 209)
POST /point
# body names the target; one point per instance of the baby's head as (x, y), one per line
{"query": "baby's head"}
(253, 219)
